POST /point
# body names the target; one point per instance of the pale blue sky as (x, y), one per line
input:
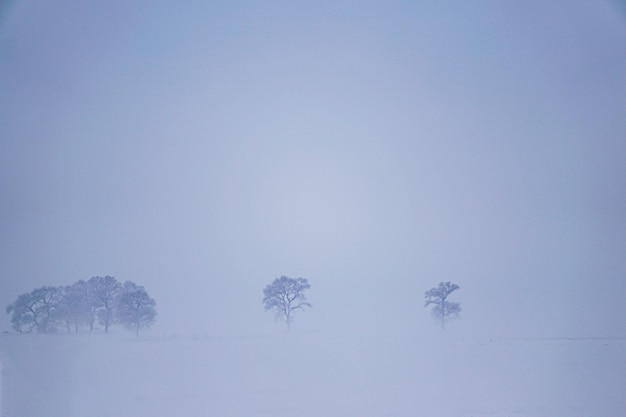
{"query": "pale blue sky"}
(375, 148)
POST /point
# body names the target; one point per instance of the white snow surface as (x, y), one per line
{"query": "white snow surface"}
(311, 375)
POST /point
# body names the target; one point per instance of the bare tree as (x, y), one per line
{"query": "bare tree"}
(135, 309)
(76, 307)
(285, 295)
(37, 310)
(90, 303)
(104, 291)
(442, 310)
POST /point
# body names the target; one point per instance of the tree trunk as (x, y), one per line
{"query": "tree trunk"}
(107, 319)
(443, 314)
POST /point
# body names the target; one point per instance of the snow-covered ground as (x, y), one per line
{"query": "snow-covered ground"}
(306, 375)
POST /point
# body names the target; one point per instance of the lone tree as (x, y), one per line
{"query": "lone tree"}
(135, 309)
(285, 295)
(442, 310)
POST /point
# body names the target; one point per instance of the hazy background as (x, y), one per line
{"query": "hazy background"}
(374, 148)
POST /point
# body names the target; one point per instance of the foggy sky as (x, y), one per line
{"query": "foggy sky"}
(374, 148)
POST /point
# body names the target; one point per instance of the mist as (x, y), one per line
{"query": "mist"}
(374, 149)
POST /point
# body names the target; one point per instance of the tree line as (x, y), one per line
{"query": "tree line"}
(83, 305)
(106, 301)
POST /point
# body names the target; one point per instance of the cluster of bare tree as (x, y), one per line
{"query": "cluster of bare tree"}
(82, 305)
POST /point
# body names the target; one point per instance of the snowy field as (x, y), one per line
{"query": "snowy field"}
(311, 375)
